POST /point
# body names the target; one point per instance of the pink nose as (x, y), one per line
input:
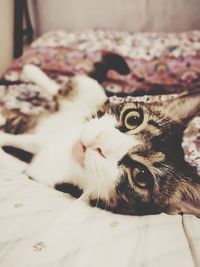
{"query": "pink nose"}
(78, 153)
(84, 147)
(93, 147)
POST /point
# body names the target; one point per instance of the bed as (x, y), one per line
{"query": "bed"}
(43, 227)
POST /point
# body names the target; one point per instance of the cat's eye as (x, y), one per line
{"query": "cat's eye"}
(142, 177)
(132, 118)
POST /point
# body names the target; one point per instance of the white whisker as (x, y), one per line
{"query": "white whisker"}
(98, 184)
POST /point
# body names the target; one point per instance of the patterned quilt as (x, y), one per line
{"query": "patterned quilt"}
(41, 227)
(162, 62)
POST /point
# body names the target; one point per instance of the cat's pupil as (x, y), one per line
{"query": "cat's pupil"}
(133, 120)
(141, 178)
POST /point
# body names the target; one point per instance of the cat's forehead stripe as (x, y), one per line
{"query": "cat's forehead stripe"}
(150, 161)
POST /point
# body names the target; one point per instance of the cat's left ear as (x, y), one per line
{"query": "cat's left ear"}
(187, 201)
(183, 108)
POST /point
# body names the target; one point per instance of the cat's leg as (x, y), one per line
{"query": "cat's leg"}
(88, 91)
(36, 75)
(39, 168)
(49, 162)
(11, 163)
(24, 142)
(27, 142)
(52, 165)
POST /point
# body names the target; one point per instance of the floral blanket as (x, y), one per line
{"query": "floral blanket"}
(158, 62)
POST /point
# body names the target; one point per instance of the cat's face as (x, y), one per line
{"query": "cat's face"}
(133, 161)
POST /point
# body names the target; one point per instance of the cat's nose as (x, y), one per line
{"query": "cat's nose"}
(95, 147)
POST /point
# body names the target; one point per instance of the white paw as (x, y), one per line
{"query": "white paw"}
(4, 137)
(48, 169)
(11, 163)
(34, 74)
(39, 174)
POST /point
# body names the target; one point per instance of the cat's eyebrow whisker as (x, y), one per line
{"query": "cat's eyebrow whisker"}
(157, 178)
(177, 175)
(170, 120)
(166, 167)
(171, 171)
(166, 121)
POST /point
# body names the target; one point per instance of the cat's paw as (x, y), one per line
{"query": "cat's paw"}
(89, 91)
(11, 163)
(39, 175)
(45, 169)
(4, 138)
(34, 74)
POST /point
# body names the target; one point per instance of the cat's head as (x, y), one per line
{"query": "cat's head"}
(133, 160)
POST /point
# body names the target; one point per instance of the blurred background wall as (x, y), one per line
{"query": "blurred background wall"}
(6, 33)
(134, 15)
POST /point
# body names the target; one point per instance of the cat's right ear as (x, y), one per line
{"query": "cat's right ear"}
(187, 198)
(183, 108)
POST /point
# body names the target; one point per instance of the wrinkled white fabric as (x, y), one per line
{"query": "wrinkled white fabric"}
(41, 227)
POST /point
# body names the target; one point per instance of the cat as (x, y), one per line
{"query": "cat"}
(126, 156)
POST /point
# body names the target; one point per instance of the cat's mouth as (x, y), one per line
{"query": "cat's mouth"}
(78, 153)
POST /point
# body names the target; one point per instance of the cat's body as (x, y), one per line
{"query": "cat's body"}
(130, 158)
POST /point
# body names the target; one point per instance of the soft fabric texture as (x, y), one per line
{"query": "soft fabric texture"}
(41, 227)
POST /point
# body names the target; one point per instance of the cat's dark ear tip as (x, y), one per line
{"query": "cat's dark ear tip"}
(116, 62)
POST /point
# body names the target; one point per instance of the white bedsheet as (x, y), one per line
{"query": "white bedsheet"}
(41, 227)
